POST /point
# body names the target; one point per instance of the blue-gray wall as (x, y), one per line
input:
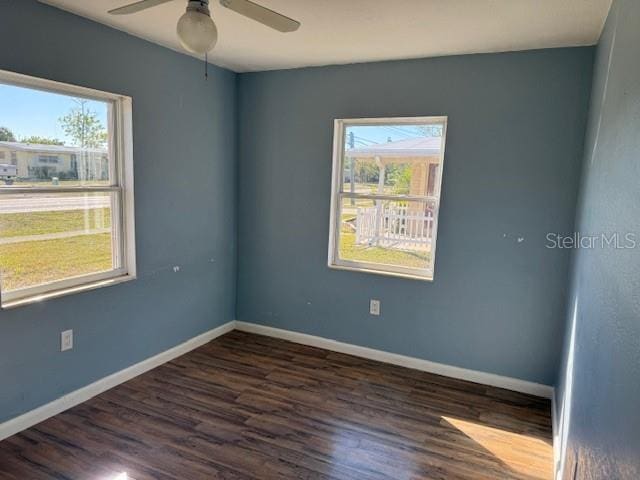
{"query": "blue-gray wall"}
(184, 141)
(516, 127)
(514, 147)
(599, 391)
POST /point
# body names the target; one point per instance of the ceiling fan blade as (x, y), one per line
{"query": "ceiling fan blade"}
(137, 7)
(262, 15)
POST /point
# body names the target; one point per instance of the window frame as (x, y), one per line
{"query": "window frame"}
(121, 183)
(337, 194)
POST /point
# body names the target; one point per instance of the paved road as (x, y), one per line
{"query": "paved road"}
(17, 204)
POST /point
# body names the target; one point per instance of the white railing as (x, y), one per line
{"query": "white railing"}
(394, 225)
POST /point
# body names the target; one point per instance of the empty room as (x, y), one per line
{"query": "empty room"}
(320, 240)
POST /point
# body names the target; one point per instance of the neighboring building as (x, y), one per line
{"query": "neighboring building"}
(43, 162)
(421, 153)
(398, 224)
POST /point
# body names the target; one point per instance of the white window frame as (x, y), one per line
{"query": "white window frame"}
(338, 193)
(121, 175)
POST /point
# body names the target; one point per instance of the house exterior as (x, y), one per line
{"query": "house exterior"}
(421, 153)
(402, 224)
(44, 162)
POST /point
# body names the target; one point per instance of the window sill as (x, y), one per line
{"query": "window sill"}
(63, 292)
(386, 273)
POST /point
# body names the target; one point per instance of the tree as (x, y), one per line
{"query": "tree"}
(83, 126)
(41, 140)
(6, 135)
(366, 171)
(399, 177)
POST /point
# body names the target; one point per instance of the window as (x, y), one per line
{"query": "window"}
(66, 212)
(387, 175)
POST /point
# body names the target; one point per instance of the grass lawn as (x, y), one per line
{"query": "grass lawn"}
(350, 251)
(40, 223)
(26, 264)
(29, 263)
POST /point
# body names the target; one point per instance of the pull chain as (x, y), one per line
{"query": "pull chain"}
(206, 65)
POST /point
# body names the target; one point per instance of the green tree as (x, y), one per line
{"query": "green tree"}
(83, 126)
(366, 171)
(41, 140)
(6, 135)
(399, 177)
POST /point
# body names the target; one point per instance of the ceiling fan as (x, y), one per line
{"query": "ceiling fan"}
(196, 30)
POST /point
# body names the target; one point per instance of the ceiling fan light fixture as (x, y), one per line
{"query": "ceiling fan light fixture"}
(196, 30)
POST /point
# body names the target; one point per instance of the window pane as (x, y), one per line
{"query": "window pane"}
(50, 139)
(396, 233)
(393, 159)
(51, 237)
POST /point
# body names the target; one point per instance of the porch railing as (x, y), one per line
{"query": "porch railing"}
(394, 225)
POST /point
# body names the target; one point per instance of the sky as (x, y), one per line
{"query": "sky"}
(371, 134)
(28, 112)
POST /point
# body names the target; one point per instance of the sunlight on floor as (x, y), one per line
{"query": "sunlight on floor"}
(120, 476)
(512, 449)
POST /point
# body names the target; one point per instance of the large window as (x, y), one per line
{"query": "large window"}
(66, 189)
(387, 175)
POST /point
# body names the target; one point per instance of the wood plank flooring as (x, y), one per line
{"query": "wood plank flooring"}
(251, 407)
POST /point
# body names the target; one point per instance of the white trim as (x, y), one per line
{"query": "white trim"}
(396, 198)
(121, 188)
(33, 417)
(53, 289)
(483, 378)
(337, 193)
(63, 292)
(125, 125)
(360, 267)
(336, 186)
(57, 190)
(366, 121)
(46, 85)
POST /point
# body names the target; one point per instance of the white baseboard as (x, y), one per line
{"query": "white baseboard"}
(484, 378)
(33, 417)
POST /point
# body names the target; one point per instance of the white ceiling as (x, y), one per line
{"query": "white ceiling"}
(352, 31)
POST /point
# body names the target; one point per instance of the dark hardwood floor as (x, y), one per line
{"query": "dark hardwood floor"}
(251, 407)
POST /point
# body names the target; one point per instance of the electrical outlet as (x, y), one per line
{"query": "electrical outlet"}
(374, 307)
(66, 340)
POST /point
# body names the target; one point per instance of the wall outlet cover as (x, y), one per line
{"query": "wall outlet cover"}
(66, 340)
(374, 307)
